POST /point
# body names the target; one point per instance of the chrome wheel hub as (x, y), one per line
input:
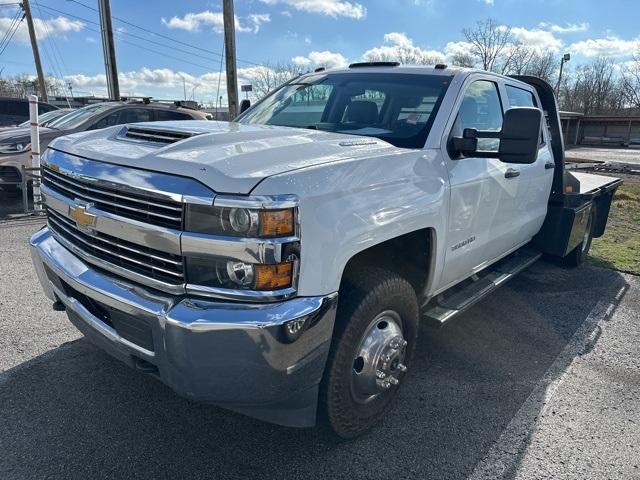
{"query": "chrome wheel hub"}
(378, 362)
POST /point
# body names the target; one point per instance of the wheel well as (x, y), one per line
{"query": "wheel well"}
(409, 255)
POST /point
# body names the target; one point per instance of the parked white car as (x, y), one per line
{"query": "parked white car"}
(279, 265)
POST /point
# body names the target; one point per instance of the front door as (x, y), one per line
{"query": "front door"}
(484, 191)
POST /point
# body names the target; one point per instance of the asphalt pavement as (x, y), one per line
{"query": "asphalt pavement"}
(540, 380)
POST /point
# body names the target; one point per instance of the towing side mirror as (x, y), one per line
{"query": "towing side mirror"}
(518, 138)
(244, 105)
(520, 135)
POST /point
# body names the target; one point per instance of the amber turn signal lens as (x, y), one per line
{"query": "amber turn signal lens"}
(276, 223)
(273, 277)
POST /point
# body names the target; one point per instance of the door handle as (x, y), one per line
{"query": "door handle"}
(549, 165)
(511, 173)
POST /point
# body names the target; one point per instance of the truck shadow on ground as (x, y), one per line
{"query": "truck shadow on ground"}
(76, 413)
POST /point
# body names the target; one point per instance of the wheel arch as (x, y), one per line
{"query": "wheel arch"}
(411, 255)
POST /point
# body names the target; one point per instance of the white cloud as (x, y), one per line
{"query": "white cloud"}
(192, 22)
(542, 40)
(52, 27)
(325, 59)
(458, 48)
(568, 28)
(162, 83)
(301, 61)
(331, 8)
(611, 46)
(399, 47)
(488, 2)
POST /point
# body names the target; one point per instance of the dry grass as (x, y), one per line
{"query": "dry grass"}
(619, 247)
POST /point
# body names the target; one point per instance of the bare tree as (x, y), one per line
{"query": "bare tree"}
(516, 59)
(463, 60)
(631, 81)
(488, 41)
(270, 76)
(593, 89)
(406, 54)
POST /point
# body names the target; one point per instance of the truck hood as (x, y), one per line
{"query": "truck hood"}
(227, 157)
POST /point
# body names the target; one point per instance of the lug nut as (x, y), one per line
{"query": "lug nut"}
(393, 380)
(380, 374)
(386, 384)
(402, 367)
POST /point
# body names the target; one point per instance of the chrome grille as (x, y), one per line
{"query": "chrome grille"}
(136, 206)
(157, 265)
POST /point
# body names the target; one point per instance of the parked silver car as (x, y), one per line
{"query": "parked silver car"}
(15, 143)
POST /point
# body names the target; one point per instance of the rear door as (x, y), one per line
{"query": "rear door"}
(536, 178)
(482, 221)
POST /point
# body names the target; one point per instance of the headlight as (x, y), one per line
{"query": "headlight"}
(220, 273)
(240, 222)
(15, 147)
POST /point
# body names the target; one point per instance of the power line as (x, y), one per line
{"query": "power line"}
(50, 53)
(9, 36)
(164, 45)
(162, 35)
(204, 67)
(11, 25)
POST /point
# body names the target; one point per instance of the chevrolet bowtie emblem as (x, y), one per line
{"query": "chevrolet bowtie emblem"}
(82, 218)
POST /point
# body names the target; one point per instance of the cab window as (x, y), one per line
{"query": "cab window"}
(519, 97)
(480, 109)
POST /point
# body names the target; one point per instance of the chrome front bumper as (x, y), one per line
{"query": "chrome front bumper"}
(235, 355)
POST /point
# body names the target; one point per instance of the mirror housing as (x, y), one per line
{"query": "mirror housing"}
(520, 135)
(244, 105)
(518, 138)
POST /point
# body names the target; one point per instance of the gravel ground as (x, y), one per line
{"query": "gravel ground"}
(604, 154)
(540, 380)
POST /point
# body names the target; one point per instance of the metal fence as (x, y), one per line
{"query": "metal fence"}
(30, 177)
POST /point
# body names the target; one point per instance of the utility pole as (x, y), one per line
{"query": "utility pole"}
(565, 58)
(230, 57)
(36, 53)
(109, 49)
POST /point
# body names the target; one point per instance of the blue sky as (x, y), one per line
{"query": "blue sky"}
(309, 32)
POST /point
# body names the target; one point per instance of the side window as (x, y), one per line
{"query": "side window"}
(43, 108)
(133, 115)
(162, 115)
(108, 121)
(519, 97)
(18, 108)
(481, 109)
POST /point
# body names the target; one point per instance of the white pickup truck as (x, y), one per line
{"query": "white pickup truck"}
(279, 265)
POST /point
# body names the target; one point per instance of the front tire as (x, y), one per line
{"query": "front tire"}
(373, 344)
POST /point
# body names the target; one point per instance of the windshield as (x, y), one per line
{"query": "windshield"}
(78, 117)
(397, 108)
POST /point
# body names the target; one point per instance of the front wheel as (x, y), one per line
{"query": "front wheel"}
(375, 336)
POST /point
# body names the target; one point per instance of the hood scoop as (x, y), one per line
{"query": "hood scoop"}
(146, 134)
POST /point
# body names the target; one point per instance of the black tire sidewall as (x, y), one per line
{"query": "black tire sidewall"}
(362, 304)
